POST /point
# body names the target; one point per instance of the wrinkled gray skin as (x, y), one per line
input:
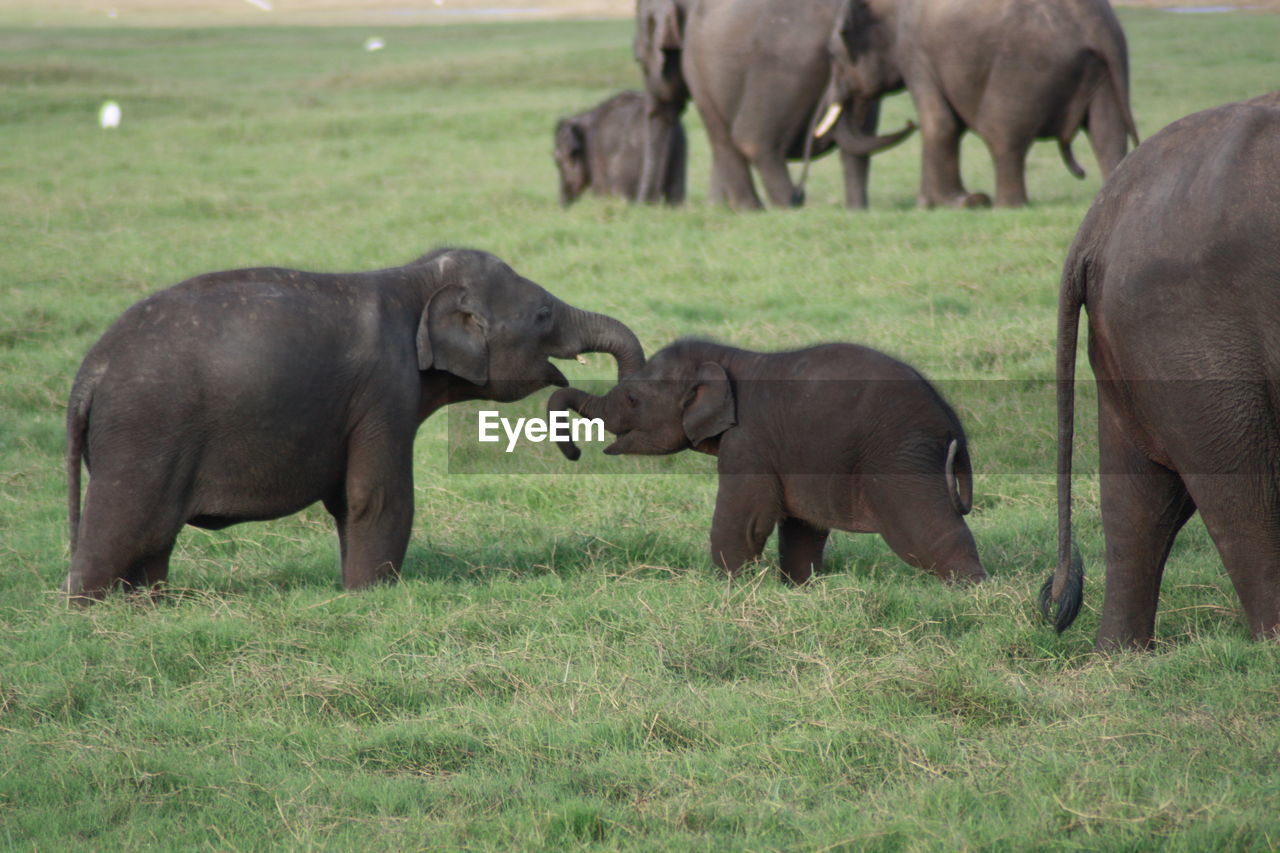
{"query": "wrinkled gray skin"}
(250, 394)
(602, 149)
(756, 70)
(836, 436)
(1178, 266)
(1010, 70)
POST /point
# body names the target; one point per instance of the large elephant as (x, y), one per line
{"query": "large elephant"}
(1012, 71)
(602, 149)
(1178, 265)
(756, 70)
(833, 436)
(249, 394)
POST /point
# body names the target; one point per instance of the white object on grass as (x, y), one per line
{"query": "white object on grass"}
(374, 43)
(109, 114)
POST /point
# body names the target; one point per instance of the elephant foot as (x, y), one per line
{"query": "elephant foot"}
(964, 201)
(797, 197)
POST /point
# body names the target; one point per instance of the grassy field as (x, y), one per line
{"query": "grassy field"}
(560, 666)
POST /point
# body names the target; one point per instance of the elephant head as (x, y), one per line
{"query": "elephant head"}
(571, 160)
(849, 110)
(495, 329)
(861, 48)
(677, 401)
(659, 42)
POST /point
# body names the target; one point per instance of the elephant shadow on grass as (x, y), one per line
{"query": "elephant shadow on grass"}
(297, 555)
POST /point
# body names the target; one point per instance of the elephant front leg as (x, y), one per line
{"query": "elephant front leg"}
(375, 516)
(857, 170)
(800, 547)
(747, 509)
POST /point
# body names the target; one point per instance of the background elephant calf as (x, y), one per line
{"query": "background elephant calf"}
(835, 436)
(602, 149)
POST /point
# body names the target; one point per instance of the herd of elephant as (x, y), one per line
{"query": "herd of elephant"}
(779, 80)
(250, 394)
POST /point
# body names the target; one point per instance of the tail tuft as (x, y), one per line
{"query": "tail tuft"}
(1069, 597)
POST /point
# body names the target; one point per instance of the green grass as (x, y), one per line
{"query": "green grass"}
(560, 666)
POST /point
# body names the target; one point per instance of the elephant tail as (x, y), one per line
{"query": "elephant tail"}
(1066, 585)
(959, 471)
(77, 428)
(1068, 158)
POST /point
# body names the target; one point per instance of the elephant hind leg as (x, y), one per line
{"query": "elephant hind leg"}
(915, 517)
(940, 132)
(1240, 514)
(1105, 125)
(1144, 505)
(1010, 158)
(731, 182)
(123, 541)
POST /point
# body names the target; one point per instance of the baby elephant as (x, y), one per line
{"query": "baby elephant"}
(834, 436)
(603, 148)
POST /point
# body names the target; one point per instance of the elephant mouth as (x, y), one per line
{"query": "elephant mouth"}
(555, 377)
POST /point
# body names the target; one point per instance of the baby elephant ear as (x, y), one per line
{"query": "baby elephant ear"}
(709, 407)
(451, 337)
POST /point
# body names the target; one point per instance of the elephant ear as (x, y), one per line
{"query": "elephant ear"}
(571, 139)
(452, 336)
(854, 24)
(709, 405)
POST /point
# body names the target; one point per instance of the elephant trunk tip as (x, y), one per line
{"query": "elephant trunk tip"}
(564, 399)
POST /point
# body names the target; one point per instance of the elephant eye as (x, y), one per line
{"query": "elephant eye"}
(632, 400)
(544, 314)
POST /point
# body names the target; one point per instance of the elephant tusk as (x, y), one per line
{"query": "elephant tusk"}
(833, 113)
(580, 359)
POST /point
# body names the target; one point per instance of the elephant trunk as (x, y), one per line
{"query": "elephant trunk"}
(585, 331)
(577, 400)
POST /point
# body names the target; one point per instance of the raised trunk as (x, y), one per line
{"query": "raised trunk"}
(581, 331)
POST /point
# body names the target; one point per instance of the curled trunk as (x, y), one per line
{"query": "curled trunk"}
(585, 331)
(849, 121)
(577, 400)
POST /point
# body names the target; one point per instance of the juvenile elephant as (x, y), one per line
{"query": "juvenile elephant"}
(249, 394)
(1178, 265)
(756, 70)
(834, 436)
(1012, 71)
(603, 149)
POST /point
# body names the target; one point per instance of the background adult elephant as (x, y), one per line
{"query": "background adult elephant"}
(250, 394)
(1010, 70)
(1178, 265)
(756, 70)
